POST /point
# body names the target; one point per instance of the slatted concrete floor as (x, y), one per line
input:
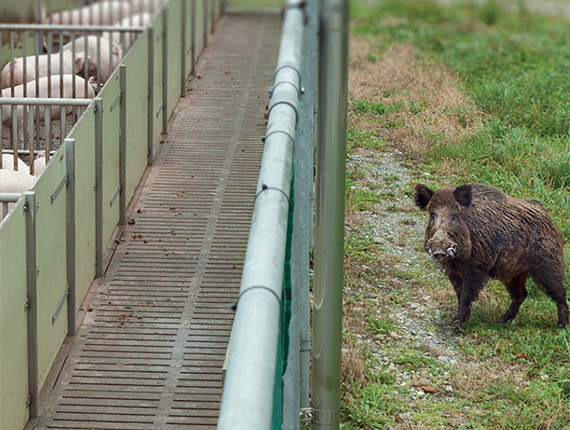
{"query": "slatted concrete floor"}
(149, 353)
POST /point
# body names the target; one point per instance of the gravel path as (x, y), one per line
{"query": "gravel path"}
(421, 332)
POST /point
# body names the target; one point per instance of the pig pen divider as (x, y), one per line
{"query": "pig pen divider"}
(32, 103)
(80, 197)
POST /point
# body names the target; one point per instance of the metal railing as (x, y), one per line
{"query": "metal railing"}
(267, 387)
(249, 381)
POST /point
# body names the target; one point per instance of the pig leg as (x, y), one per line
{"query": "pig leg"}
(472, 284)
(551, 281)
(517, 291)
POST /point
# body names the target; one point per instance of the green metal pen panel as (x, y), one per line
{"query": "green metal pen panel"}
(84, 134)
(199, 22)
(51, 262)
(156, 112)
(137, 113)
(174, 69)
(111, 128)
(189, 36)
(13, 321)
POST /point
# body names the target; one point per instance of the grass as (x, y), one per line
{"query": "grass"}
(460, 93)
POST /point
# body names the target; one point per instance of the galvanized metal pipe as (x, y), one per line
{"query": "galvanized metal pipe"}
(31, 305)
(99, 246)
(329, 231)
(9, 197)
(183, 5)
(164, 71)
(123, 146)
(70, 234)
(249, 383)
(150, 101)
(69, 28)
(193, 35)
(33, 101)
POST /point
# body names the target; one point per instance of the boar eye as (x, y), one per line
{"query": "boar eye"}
(432, 216)
(453, 217)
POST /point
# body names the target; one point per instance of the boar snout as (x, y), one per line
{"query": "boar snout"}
(440, 246)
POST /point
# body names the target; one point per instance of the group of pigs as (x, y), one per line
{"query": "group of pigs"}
(69, 73)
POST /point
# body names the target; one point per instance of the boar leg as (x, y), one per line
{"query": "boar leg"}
(457, 282)
(472, 284)
(517, 291)
(551, 281)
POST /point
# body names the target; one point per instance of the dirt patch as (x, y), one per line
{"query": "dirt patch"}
(430, 108)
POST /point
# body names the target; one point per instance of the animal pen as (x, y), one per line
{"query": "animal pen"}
(156, 275)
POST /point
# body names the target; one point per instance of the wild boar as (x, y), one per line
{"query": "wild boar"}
(476, 232)
(71, 65)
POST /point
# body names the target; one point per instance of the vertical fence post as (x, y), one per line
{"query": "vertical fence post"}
(183, 49)
(123, 146)
(99, 247)
(31, 302)
(70, 233)
(303, 211)
(164, 70)
(193, 36)
(150, 104)
(212, 16)
(329, 239)
(205, 26)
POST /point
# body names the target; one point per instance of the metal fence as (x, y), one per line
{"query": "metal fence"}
(52, 241)
(267, 380)
(52, 244)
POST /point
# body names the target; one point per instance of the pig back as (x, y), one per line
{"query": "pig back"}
(102, 13)
(43, 87)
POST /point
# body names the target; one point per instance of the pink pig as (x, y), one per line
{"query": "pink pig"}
(102, 13)
(90, 45)
(68, 85)
(71, 65)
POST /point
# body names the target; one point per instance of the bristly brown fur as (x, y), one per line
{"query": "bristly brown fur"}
(477, 232)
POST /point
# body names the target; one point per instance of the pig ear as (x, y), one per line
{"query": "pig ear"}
(463, 194)
(422, 196)
(79, 61)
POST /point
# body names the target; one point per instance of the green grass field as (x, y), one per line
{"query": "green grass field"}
(458, 93)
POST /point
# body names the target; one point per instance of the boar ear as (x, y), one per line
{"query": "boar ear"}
(422, 196)
(463, 195)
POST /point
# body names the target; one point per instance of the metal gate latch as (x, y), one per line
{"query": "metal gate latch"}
(306, 414)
